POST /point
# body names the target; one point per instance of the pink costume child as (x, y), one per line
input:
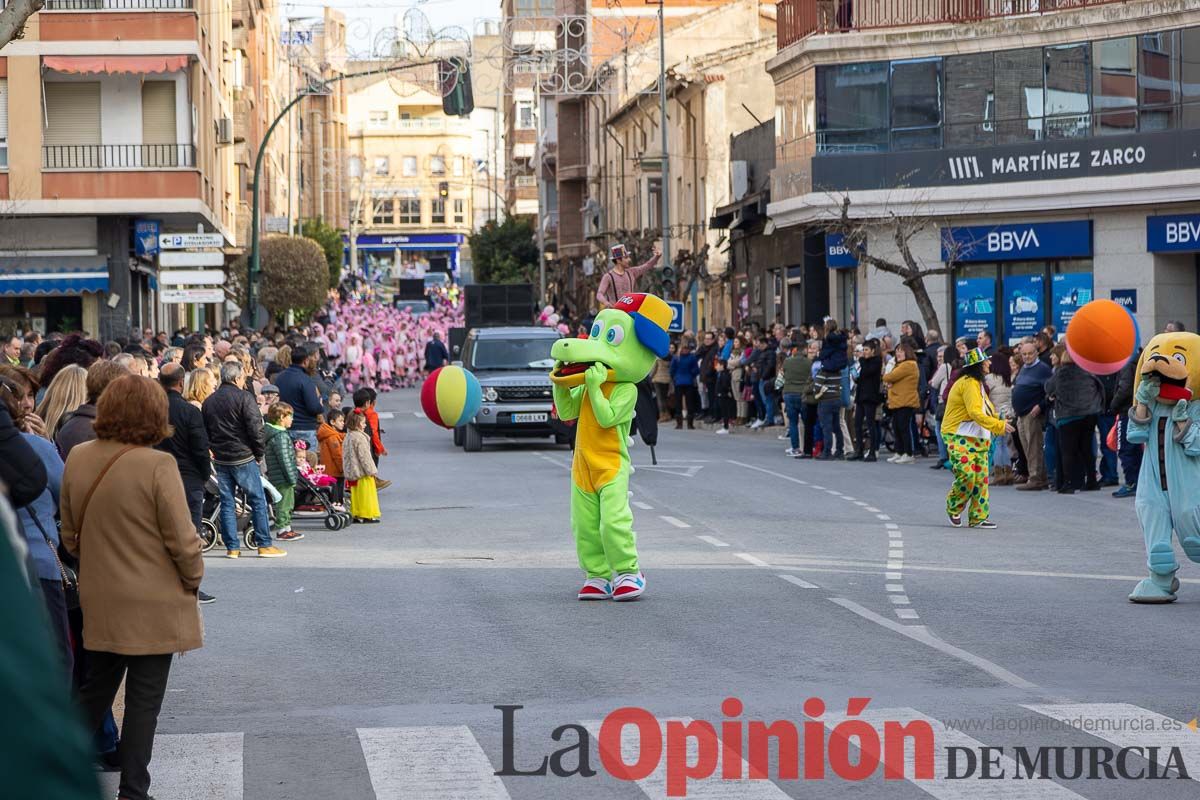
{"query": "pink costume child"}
(353, 362)
(369, 368)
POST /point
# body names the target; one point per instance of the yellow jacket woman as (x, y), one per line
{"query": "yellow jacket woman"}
(968, 425)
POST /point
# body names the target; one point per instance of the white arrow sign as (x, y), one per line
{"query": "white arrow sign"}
(182, 258)
(192, 295)
(192, 277)
(187, 241)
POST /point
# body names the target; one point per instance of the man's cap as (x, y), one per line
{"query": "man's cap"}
(651, 319)
(973, 357)
(269, 388)
(617, 252)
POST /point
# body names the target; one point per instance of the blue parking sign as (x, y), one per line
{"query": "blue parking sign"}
(676, 317)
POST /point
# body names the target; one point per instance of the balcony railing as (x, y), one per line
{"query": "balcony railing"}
(118, 156)
(798, 19)
(119, 5)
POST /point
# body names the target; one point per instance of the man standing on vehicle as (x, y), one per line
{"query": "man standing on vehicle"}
(622, 278)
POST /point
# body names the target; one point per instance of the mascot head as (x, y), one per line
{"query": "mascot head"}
(625, 338)
(1173, 358)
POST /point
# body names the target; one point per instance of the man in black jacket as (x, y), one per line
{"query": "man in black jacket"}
(23, 473)
(189, 445)
(436, 354)
(707, 355)
(235, 435)
(867, 398)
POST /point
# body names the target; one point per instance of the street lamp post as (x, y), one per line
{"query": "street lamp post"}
(666, 158)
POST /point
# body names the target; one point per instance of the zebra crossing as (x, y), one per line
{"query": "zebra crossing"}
(448, 762)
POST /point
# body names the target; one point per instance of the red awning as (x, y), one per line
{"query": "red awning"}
(137, 65)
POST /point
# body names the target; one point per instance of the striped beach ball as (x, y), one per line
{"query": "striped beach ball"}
(451, 396)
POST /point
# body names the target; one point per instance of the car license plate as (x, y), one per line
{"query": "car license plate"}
(519, 418)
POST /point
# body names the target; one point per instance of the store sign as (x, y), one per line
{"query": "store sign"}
(1024, 306)
(275, 224)
(145, 237)
(192, 295)
(192, 277)
(190, 241)
(1176, 233)
(1071, 291)
(445, 239)
(1028, 161)
(974, 306)
(1018, 242)
(837, 255)
(1125, 298)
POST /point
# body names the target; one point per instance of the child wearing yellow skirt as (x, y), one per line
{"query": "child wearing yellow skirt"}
(360, 471)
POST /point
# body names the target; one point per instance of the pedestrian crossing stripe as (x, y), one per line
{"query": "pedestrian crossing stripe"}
(446, 762)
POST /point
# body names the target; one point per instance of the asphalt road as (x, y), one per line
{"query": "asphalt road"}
(368, 663)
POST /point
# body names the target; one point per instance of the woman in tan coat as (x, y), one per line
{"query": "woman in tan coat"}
(125, 517)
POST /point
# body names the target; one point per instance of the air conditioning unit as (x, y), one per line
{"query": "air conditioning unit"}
(225, 130)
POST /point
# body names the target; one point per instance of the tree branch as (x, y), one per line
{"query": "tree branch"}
(14, 17)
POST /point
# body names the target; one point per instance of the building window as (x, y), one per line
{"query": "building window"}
(1068, 99)
(382, 165)
(437, 165)
(460, 213)
(852, 107)
(384, 212)
(1019, 100)
(916, 99)
(456, 167)
(525, 120)
(533, 8)
(1158, 77)
(970, 100)
(377, 119)
(409, 167)
(410, 211)
(355, 167)
(1115, 82)
(438, 211)
(653, 203)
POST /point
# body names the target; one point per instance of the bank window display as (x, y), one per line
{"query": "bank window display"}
(852, 108)
(1016, 299)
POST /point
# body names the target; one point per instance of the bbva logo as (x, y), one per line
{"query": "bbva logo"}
(1010, 241)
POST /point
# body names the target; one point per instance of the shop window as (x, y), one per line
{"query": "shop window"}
(852, 108)
(970, 100)
(1158, 79)
(409, 167)
(1068, 99)
(438, 211)
(1115, 84)
(459, 211)
(384, 212)
(410, 211)
(1019, 100)
(916, 99)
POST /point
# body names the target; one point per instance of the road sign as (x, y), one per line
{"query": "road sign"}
(192, 295)
(188, 241)
(145, 237)
(192, 277)
(676, 317)
(183, 258)
(276, 224)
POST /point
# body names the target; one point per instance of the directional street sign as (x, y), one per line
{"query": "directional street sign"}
(676, 317)
(185, 258)
(192, 277)
(189, 241)
(192, 295)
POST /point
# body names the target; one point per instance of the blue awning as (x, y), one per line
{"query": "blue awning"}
(36, 276)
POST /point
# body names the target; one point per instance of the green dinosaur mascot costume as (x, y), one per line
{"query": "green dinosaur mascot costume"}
(595, 382)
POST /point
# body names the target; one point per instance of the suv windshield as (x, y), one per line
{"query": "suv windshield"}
(511, 353)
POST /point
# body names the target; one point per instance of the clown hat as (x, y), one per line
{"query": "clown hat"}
(651, 319)
(617, 252)
(973, 357)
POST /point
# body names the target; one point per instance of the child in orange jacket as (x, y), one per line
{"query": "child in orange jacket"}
(330, 437)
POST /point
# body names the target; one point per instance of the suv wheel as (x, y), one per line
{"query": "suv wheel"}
(472, 438)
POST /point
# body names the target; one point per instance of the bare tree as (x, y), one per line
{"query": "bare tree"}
(911, 270)
(14, 17)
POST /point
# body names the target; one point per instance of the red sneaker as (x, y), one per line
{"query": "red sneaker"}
(629, 586)
(595, 589)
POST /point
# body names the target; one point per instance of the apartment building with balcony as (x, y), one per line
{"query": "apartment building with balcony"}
(411, 173)
(321, 152)
(528, 46)
(114, 113)
(1049, 150)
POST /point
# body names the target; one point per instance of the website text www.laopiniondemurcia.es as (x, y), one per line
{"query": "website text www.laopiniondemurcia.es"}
(854, 749)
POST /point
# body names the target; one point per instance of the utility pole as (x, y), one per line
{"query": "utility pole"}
(666, 159)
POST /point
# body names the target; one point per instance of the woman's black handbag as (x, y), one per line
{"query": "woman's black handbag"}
(68, 576)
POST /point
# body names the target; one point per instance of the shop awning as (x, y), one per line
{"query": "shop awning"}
(137, 65)
(47, 275)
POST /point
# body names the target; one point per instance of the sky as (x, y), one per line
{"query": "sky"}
(367, 19)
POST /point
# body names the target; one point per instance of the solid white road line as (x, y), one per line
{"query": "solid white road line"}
(678, 523)
(942, 787)
(714, 541)
(792, 579)
(655, 784)
(194, 766)
(432, 761)
(643, 506)
(1126, 725)
(924, 637)
(758, 562)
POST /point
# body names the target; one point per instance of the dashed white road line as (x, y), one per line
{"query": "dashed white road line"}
(417, 414)
(758, 562)
(714, 541)
(678, 523)
(643, 506)
(883, 517)
(872, 509)
(798, 582)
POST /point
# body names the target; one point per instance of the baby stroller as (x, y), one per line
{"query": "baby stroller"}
(313, 502)
(210, 522)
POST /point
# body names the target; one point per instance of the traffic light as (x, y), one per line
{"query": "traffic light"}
(454, 80)
(444, 189)
(668, 281)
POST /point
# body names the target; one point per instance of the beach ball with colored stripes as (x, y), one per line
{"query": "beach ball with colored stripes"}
(451, 396)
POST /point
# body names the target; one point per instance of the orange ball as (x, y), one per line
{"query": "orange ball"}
(1101, 337)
